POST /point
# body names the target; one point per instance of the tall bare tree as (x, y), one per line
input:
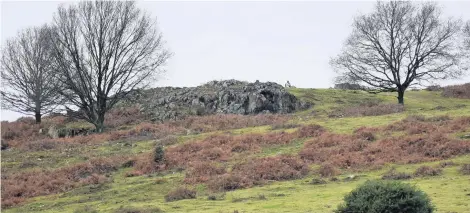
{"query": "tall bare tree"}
(29, 85)
(466, 32)
(103, 50)
(401, 44)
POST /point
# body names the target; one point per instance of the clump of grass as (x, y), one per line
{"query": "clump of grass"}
(180, 193)
(317, 181)
(465, 169)
(447, 164)
(392, 174)
(423, 171)
(366, 133)
(327, 170)
(138, 210)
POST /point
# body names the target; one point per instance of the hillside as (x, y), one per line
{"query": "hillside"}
(301, 162)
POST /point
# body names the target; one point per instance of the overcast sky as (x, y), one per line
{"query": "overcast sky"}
(267, 41)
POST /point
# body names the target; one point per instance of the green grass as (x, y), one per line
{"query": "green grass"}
(450, 192)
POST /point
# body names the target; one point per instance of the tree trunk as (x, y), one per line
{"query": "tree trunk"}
(401, 97)
(99, 125)
(38, 117)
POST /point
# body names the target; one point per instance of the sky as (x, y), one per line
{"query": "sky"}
(274, 41)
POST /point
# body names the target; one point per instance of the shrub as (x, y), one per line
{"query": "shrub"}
(168, 140)
(34, 183)
(159, 154)
(5, 145)
(427, 171)
(228, 182)
(310, 131)
(465, 169)
(129, 163)
(180, 193)
(365, 133)
(317, 181)
(272, 168)
(457, 91)
(200, 172)
(433, 88)
(349, 86)
(258, 171)
(138, 210)
(392, 174)
(327, 170)
(379, 196)
(446, 164)
(120, 116)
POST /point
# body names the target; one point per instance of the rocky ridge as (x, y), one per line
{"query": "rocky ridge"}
(225, 97)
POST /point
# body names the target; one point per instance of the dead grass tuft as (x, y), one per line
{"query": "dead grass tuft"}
(180, 193)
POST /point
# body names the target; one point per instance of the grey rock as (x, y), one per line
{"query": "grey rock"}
(225, 97)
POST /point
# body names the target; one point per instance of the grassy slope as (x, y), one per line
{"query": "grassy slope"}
(449, 192)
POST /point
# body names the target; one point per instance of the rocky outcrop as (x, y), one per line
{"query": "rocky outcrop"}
(230, 97)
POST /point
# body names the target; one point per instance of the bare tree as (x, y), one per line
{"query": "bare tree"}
(466, 32)
(104, 50)
(399, 45)
(28, 81)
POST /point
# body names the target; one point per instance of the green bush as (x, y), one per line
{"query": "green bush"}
(386, 196)
(159, 154)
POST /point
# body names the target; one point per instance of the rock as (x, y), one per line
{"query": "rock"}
(53, 132)
(224, 97)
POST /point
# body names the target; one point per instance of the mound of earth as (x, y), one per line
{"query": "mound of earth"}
(228, 97)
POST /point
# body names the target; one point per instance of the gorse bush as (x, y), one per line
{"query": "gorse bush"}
(385, 196)
(159, 154)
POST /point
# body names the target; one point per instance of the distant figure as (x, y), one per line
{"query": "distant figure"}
(287, 84)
